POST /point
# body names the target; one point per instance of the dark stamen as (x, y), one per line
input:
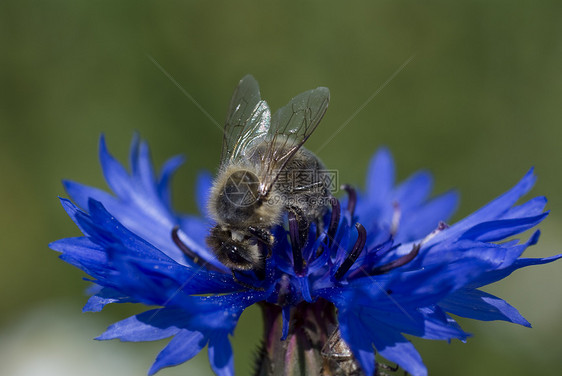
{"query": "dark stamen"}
(396, 263)
(298, 261)
(190, 254)
(352, 200)
(334, 221)
(355, 252)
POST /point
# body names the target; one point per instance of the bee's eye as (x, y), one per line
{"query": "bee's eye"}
(233, 254)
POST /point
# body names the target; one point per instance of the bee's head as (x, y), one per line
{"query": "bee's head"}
(238, 252)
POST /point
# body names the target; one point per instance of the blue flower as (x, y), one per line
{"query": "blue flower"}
(386, 264)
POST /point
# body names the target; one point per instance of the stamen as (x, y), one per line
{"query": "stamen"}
(440, 227)
(355, 252)
(190, 254)
(298, 261)
(352, 200)
(396, 263)
(334, 221)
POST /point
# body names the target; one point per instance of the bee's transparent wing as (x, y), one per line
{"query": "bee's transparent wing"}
(247, 121)
(290, 128)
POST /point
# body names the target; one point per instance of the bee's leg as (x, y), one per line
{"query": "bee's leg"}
(261, 234)
(244, 284)
(381, 368)
(265, 252)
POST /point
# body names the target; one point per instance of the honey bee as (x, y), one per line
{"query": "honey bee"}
(262, 155)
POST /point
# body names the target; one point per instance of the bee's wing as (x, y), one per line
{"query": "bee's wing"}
(290, 128)
(247, 121)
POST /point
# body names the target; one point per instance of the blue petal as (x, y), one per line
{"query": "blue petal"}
(143, 172)
(478, 305)
(148, 326)
(361, 333)
(115, 175)
(142, 203)
(83, 254)
(426, 218)
(220, 354)
(438, 325)
(166, 174)
(184, 346)
(359, 341)
(81, 193)
(394, 347)
(500, 229)
(380, 175)
(414, 190)
(496, 275)
(496, 209)
(104, 297)
(530, 208)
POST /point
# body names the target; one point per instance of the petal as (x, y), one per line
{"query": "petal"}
(81, 193)
(103, 297)
(414, 190)
(83, 254)
(142, 170)
(166, 174)
(497, 230)
(496, 275)
(115, 175)
(184, 346)
(361, 333)
(394, 347)
(493, 210)
(415, 225)
(359, 341)
(380, 176)
(148, 326)
(533, 207)
(220, 354)
(478, 305)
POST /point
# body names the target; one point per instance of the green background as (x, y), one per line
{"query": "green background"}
(479, 103)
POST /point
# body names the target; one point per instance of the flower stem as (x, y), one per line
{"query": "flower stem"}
(312, 347)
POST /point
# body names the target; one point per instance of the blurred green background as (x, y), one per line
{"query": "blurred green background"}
(479, 103)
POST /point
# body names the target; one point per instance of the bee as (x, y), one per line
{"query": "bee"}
(257, 178)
